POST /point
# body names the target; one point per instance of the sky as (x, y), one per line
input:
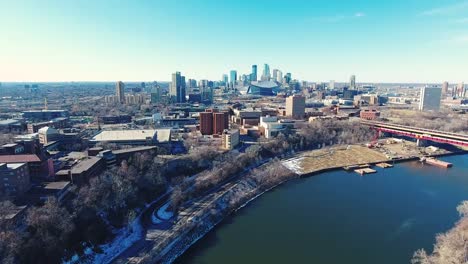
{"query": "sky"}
(144, 40)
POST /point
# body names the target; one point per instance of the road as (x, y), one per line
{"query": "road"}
(159, 236)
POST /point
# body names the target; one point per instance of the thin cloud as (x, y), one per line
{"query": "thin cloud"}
(359, 14)
(446, 9)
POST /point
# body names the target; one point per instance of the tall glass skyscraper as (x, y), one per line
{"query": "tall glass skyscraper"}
(225, 79)
(352, 82)
(266, 73)
(233, 77)
(288, 77)
(177, 88)
(253, 75)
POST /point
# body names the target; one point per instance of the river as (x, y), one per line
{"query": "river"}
(341, 217)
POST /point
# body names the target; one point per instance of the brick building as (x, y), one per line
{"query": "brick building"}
(213, 122)
(14, 179)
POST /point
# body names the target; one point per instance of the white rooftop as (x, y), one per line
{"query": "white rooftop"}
(162, 135)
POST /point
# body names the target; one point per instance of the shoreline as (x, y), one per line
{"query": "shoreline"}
(193, 234)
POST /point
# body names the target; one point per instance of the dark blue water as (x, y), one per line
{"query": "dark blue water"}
(341, 217)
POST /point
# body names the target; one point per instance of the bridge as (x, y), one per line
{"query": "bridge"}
(419, 133)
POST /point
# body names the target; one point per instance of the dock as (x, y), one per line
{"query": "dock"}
(355, 167)
(384, 165)
(365, 171)
(436, 162)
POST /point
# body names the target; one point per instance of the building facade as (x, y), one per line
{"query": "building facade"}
(429, 99)
(253, 75)
(213, 122)
(352, 82)
(14, 179)
(295, 106)
(177, 88)
(233, 77)
(230, 139)
(120, 91)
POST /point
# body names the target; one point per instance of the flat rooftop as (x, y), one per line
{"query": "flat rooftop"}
(163, 135)
(85, 165)
(19, 158)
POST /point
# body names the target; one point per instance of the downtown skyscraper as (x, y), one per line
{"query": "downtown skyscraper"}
(352, 82)
(225, 79)
(177, 88)
(253, 75)
(233, 78)
(266, 73)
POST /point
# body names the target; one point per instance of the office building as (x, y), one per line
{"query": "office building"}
(253, 75)
(155, 94)
(119, 91)
(331, 85)
(288, 77)
(352, 82)
(295, 106)
(266, 73)
(233, 78)
(279, 77)
(275, 74)
(430, 98)
(230, 139)
(225, 79)
(460, 90)
(177, 88)
(445, 87)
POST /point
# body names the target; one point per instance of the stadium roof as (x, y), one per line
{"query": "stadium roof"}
(265, 84)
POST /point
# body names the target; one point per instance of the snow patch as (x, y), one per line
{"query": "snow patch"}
(294, 165)
(163, 213)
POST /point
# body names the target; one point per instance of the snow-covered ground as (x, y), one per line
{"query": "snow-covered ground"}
(123, 240)
(162, 214)
(294, 165)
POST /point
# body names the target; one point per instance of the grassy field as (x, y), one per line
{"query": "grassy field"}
(337, 157)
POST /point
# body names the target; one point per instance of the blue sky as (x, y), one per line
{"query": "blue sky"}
(139, 40)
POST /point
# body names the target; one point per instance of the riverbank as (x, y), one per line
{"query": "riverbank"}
(312, 219)
(197, 220)
(203, 215)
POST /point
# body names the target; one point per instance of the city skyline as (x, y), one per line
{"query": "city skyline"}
(89, 41)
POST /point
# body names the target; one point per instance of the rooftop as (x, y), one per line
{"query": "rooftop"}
(9, 122)
(265, 84)
(50, 111)
(19, 158)
(163, 135)
(56, 185)
(85, 165)
(130, 150)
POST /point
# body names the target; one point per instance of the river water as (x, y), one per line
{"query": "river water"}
(341, 217)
